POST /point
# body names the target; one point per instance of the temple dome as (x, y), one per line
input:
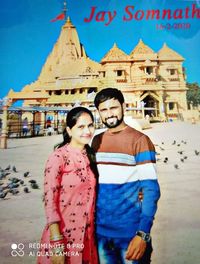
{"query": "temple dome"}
(165, 53)
(115, 54)
(142, 51)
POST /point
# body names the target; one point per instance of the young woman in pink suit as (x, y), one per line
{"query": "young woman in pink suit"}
(69, 195)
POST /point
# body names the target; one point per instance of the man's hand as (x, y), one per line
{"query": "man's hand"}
(136, 248)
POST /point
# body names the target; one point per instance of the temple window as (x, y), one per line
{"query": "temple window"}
(73, 91)
(66, 91)
(119, 72)
(149, 69)
(94, 89)
(102, 74)
(81, 90)
(50, 92)
(58, 92)
(172, 71)
(171, 106)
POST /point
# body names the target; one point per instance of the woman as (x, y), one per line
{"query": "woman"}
(69, 195)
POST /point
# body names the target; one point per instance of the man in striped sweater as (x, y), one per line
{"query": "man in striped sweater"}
(126, 164)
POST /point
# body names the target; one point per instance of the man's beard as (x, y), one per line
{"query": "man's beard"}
(113, 123)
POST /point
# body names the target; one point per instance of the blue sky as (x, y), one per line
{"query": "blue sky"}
(28, 36)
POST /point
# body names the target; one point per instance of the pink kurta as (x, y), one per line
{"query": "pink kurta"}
(69, 194)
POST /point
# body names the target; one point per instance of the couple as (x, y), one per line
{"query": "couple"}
(125, 160)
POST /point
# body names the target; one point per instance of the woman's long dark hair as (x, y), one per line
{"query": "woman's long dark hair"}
(71, 121)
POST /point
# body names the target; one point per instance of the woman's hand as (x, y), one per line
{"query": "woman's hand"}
(57, 259)
(56, 239)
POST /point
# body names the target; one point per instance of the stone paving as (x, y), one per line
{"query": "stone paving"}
(176, 228)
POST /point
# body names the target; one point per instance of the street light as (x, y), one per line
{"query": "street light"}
(4, 103)
(142, 105)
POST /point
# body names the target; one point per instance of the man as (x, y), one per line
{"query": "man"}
(126, 164)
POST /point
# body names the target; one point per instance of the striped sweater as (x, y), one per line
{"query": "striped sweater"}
(126, 164)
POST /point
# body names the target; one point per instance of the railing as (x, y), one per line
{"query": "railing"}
(15, 129)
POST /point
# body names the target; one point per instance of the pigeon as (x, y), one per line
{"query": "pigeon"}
(178, 145)
(180, 152)
(26, 190)
(6, 174)
(3, 174)
(165, 160)
(12, 185)
(34, 186)
(174, 142)
(3, 195)
(176, 166)
(7, 168)
(14, 191)
(185, 157)
(3, 188)
(184, 142)
(21, 182)
(196, 152)
(14, 169)
(32, 181)
(182, 160)
(14, 180)
(26, 174)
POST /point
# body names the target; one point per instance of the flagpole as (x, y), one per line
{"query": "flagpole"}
(65, 9)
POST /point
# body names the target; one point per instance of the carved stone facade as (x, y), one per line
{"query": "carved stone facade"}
(146, 78)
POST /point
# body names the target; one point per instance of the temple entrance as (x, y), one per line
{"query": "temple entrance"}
(151, 105)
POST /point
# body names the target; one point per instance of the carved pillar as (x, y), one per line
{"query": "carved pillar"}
(4, 132)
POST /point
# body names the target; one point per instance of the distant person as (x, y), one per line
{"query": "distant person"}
(63, 124)
(37, 129)
(126, 164)
(147, 117)
(25, 127)
(50, 129)
(69, 195)
(48, 123)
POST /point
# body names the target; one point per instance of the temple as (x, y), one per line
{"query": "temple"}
(154, 81)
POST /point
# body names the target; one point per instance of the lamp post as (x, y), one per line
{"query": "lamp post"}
(4, 133)
(142, 104)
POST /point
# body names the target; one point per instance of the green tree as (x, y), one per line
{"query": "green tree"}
(193, 94)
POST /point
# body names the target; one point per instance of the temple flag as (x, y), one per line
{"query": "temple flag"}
(59, 17)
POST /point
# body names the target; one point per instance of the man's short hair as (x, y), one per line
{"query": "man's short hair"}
(107, 94)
